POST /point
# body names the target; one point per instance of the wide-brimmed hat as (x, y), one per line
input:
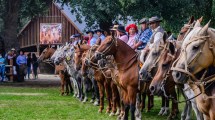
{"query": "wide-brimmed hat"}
(154, 19)
(115, 27)
(71, 37)
(99, 30)
(143, 20)
(90, 31)
(131, 26)
(121, 28)
(13, 49)
(77, 35)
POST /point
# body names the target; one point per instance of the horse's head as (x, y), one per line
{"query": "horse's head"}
(197, 54)
(79, 50)
(60, 55)
(150, 65)
(107, 47)
(164, 64)
(46, 54)
(187, 28)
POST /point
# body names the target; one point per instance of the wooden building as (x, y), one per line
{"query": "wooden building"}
(30, 35)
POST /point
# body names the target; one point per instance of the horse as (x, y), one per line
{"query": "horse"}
(192, 67)
(107, 83)
(65, 81)
(162, 82)
(127, 65)
(46, 54)
(81, 50)
(149, 69)
(64, 56)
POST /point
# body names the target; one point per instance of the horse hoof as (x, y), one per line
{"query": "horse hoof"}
(117, 112)
(99, 111)
(91, 101)
(96, 103)
(111, 114)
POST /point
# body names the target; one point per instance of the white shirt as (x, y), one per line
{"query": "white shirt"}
(158, 38)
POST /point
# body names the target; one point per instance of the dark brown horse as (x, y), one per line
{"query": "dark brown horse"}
(127, 65)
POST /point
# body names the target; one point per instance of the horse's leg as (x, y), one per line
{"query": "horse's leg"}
(107, 87)
(101, 92)
(114, 98)
(143, 100)
(118, 101)
(175, 109)
(166, 107)
(85, 90)
(61, 82)
(138, 115)
(69, 83)
(132, 94)
(162, 106)
(96, 92)
(184, 112)
(199, 115)
(122, 104)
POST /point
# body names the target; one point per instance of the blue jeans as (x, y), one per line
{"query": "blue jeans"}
(2, 71)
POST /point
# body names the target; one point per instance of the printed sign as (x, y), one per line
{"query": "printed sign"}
(50, 33)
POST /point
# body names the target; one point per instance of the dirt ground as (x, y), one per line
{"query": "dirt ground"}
(44, 80)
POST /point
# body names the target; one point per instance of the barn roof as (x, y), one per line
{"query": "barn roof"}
(66, 11)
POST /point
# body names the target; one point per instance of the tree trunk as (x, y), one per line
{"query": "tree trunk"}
(11, 24)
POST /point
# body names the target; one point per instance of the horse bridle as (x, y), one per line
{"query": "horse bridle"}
(155, 63)
(186, 70)
(193, 80)
(113, 42)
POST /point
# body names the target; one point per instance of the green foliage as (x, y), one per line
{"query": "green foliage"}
(174, 12)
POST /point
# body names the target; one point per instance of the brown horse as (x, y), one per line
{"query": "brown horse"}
(81, 53)
(113, 96)
(163, 82)
(195, 59)
(46, 54)
(127, 65)
(65, 79)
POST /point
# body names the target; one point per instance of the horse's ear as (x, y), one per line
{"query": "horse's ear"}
(191, 20)
(171, 48)
(197, 24)
(75, 47)
(204, 30)
(79, 46)
(98, 42)
(200, 19)
(164, 37)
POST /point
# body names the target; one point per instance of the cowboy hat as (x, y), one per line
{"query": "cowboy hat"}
(99, 30)
(131, 26)
(13, 49)
(114, 27)
(71, 37)
(77, 35)
(90, 31)
(154, 19)
(144, 20)
(121, 28)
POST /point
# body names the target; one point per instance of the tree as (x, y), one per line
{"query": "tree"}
(13, 12)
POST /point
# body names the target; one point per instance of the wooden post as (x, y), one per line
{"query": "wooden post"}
(11, 70)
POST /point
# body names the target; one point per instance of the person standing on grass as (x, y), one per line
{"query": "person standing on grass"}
(29, 62)
(21, 62)
(35, 65)
(2, 67)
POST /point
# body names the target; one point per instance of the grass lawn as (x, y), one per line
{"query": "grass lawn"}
(25, 103)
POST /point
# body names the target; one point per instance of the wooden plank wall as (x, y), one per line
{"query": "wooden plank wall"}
(30, 35)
